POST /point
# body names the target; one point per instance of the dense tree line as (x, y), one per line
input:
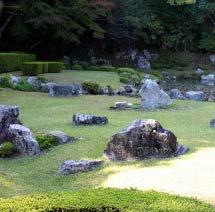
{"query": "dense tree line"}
(164, 24)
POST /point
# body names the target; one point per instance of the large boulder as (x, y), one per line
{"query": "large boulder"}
(61, 137)
(46, 87)
(85, 119)
(143, 139)
(195, 95)
(8, 115)
(74, 166)
(143, 63)
(152, 96)
(209, 77)
(15, 79)
(176, 94)
(74, 89)
(23, 140)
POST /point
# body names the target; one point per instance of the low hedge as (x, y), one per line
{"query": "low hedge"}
(104, 200)
(102, 68)
(92, 87)
(35, 68)
(14, 61)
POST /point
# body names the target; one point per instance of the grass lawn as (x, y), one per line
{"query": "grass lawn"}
(68, 76)
(190, 122)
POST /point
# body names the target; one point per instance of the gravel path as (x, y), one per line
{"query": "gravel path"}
(192, 176)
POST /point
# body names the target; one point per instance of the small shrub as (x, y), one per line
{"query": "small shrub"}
(77, 67)
(42, 79)
(130, 78)
(92, 87)
(7, 149)
(24, 86)
(46, 141)
(127, 70)
(5, 81)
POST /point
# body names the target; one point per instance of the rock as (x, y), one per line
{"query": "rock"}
(212, 59)
(61, 137)
(74, 89)
(122, 105)
(84, 119)
(211, 96)
(199, 71)
(74, 166)
(212, 123)
(152, 96)
(8, 115)
(176, 94)
(208, 82)
(15, 80)
(143, 139)
(34, 82)
(210, 77)
(127, 90)
(23, 140)
(143, 64)
(195, 95)
(46, 87)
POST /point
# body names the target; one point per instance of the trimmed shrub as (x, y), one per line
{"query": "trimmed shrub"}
(7, 150)
(77, 67)
(133, 78)
(14, 61)
(42, 79)
(93, 68)
(46, 141)
(24, 86)
(5, 81)
(35, 68)
(92, 87)
(127, 70)
(112, 200)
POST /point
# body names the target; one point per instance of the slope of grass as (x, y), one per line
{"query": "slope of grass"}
(104, 200)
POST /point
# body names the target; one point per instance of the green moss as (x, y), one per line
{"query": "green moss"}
(46, 141)
(104, 200)
(7, 149)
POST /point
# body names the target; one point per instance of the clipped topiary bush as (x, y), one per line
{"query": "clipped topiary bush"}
(98, 200)
(46, 141)
(7, 149)
(54, 67)
(14, 61)
(133, 78)
(24, 86)
(77, 67)
(92, 88)
(5, 81)
(127, 70)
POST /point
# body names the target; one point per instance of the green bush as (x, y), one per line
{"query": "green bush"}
(46, 141)
(5, 81)
(77, 67)
(133, 78)
(14, 61)
(7, 150)
(127, 70)
(92, 88)
(35, 68)
(112, 200)
(24, 86)
(42, 79)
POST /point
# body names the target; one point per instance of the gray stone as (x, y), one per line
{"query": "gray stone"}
(143, 139)
(15, 80)
(152, 96)
(212, 59)
(74, 89)
(199, 71)
(143, 64)
(84, 119)
(212, 123)
(23, 140)
(61, 137)
(74, 166)
(107, 90)
(8, 115)
(176, 94)
(46, 87)
(123, 105)
(127, 90)
(195, 95)
(209, 77)
(34, 82)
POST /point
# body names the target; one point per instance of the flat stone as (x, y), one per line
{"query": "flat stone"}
(85, 119)
(210, 77)
(23, 140)
(8, 115)
(195, 95)
(61, 137)
(143, 139)
(212, 123)
(74, 166)
(123, 105)
(176, 94)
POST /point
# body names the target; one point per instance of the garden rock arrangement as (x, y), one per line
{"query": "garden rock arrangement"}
(74, 166)
(176, 94)
(74, 89)
(152, 96)
(8, 115)
(195, 95)
(85, 119)
(127, 90)
(61, 137)
(23, 140)
(143, 139)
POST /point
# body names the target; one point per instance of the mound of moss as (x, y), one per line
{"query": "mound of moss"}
(104, 200)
